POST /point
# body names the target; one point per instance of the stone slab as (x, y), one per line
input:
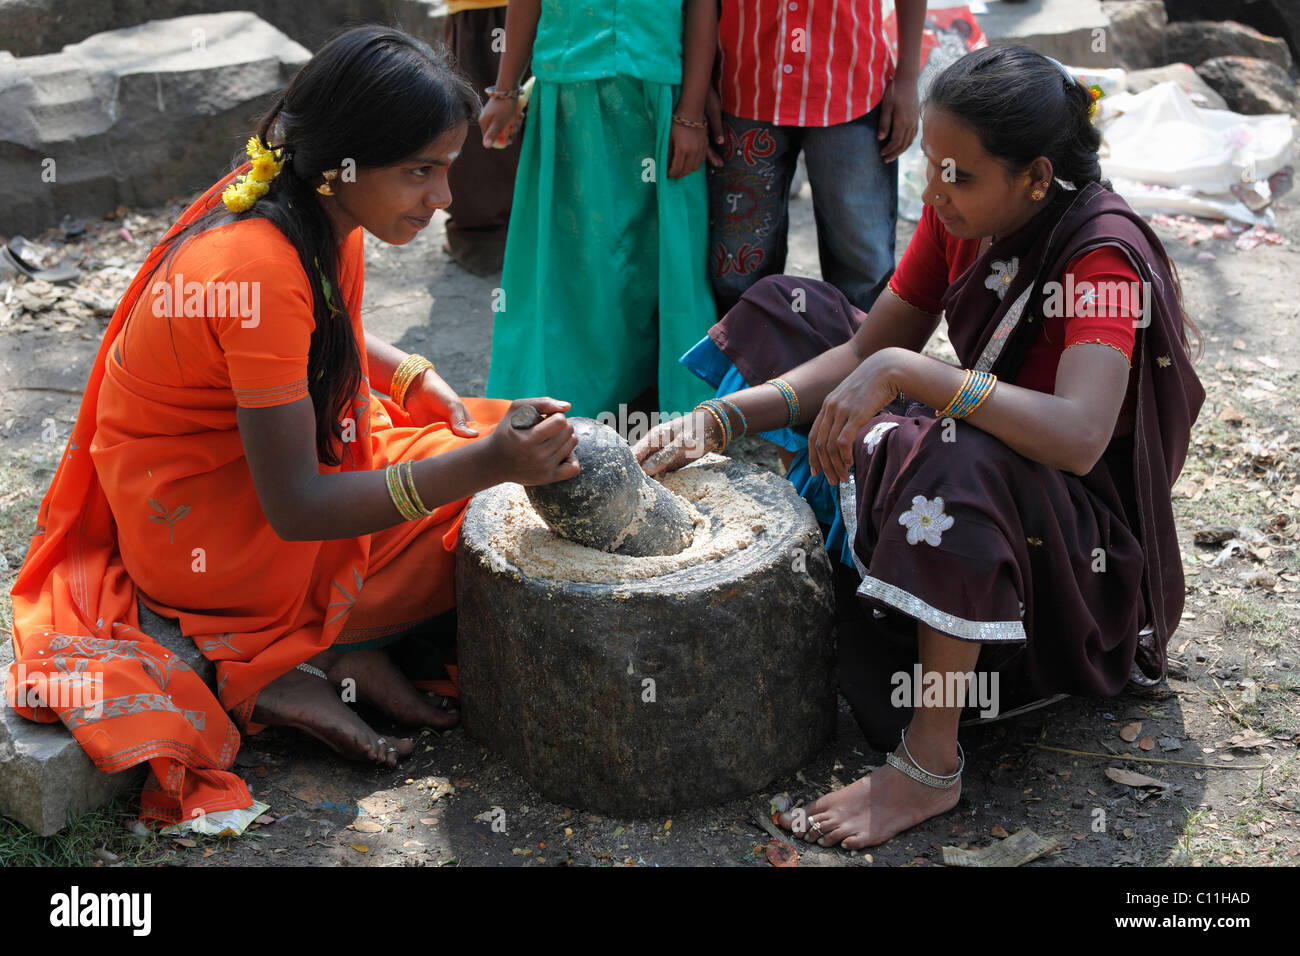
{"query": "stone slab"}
(1064, 29)
(46, 779)
(134, 116)
(32, 27)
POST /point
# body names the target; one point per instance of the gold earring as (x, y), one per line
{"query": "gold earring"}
(325, 189)
(1037, 194)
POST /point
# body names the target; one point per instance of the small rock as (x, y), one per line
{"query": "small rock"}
(1169, 743)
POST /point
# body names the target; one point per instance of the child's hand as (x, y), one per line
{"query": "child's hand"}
(495, 119)
(687, 148)
(539, 455)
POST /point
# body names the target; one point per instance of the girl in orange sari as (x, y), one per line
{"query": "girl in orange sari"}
(233, 467)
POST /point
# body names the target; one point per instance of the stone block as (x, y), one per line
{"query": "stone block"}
(134, 116)
(1072, 31)
(45, 776)
(32, 27)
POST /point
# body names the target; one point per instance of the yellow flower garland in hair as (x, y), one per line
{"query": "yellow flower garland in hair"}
(1095, 93)
(239, 196)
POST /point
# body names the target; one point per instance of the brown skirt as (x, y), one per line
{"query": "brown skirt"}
(954, 529)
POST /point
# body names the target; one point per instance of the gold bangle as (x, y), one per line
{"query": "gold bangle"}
(681, 121)
(406, 373)
(947, 409)
(407, 472)
(393, 476)
(722, 426)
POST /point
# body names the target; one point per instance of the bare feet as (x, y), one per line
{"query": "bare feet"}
(873, 808)
(302, 700)
(379, 682)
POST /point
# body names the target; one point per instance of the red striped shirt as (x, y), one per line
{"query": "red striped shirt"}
(803, 62)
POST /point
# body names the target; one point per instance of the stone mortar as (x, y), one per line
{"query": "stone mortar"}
(653, 694)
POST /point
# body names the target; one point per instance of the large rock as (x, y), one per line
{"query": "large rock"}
(31, 27)
(1072, 31)
(1274, 18)
(644, 695)
(46, 779)
(1249, 85)
(1198, 91)
(1201, 40)
(1136, 32)
(135, 116)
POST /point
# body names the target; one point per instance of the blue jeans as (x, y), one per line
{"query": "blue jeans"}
(855, 203)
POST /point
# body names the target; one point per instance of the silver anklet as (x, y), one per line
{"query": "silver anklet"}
(314, 671)
(919, 773)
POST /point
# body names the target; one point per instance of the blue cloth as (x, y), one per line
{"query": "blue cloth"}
(711, 364)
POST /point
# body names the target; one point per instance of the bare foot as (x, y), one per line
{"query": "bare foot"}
(870, 810)
(302, 700)
(380, 683)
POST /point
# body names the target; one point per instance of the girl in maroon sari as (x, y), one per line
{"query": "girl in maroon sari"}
(1008, 519)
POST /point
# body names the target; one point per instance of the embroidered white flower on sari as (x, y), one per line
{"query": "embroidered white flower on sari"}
(1003, 273)
(925, 521)
(872, 438)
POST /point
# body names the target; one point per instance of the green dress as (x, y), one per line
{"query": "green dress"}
(604, 286)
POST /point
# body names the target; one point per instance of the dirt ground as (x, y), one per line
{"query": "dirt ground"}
(1228, 710)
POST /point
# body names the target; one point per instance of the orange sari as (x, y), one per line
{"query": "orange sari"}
(153, 498)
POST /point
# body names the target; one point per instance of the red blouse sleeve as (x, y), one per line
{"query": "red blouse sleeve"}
(1107, 298)
(921, 278)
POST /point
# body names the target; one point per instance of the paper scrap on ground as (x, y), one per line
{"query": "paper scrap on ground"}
(1021, 847)
(229, 823)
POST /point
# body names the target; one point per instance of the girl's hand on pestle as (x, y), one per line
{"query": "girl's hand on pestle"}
(430, 399)
(677, 442)
(538, 455)
(853, 403)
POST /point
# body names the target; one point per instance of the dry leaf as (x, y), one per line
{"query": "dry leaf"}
(781, 854)
(1131, 731)
(1230, 414)
(367, 826)
(1130, 779)
(1248, 741)
(1146, 743)
(999, 832)
(209, 852)
(360, 847)
(185, 841)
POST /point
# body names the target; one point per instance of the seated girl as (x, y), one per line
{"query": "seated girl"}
(1008, 519)
(234, 467)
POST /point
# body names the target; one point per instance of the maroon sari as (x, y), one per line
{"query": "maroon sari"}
(1071, 583)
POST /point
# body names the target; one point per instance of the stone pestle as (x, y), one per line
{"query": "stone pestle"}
(611, 505)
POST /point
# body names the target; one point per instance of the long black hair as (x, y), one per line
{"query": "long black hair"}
(372, 96)
(1022, 105)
